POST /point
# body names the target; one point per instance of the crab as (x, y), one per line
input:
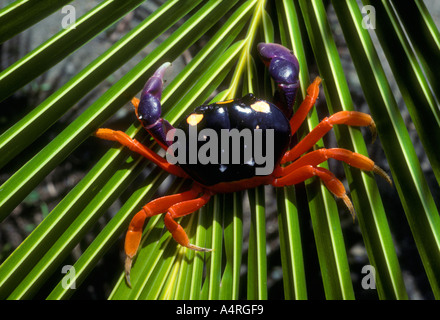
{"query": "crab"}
(260, 117)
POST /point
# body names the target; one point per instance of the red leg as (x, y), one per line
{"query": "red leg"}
(182, 209)
(351, 118)
(157, 206)
(331, 182)
(300, 115)
(136, 146)
(319, 156)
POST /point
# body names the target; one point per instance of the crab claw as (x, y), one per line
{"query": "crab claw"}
(149, 108)
(284, 69)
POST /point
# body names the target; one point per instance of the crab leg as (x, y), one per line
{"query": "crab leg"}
(136, 146)
(155, 207)
(181, 209)
(300, 115)
(351, 118)
(308, 171)
(319, 156)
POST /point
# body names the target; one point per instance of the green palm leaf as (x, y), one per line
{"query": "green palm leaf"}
(234, 225)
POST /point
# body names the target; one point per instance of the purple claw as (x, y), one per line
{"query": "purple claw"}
(284, 70)
(155, 83)
(149, 109)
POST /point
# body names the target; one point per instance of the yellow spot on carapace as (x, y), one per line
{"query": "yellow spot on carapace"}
(194, 119)
(261, 106)
(224, 102)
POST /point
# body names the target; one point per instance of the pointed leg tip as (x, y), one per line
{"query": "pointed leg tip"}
(197, 248)
(127, 280)
(373, 131)
(378, 170)
(128, 262)
(350, 207)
